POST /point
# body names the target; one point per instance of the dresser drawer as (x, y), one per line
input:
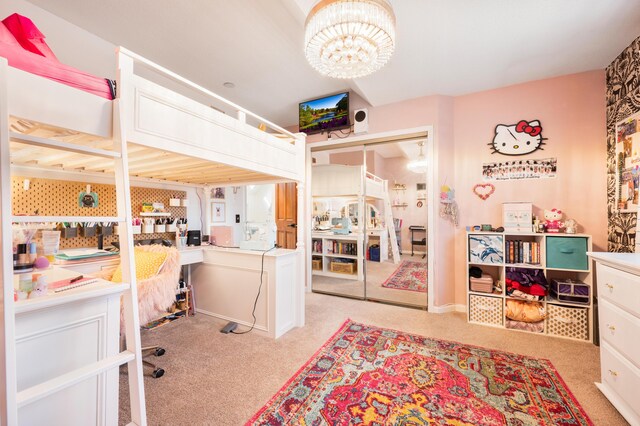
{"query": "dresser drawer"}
(622, 377)
(619, 287)
(567, 253)
(621, 330)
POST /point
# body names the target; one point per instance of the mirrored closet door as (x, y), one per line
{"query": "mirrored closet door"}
(369, 238)
(396, 223)
(337, 237)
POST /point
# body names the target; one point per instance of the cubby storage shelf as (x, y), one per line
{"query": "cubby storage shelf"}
(326, 241)
(487, 250)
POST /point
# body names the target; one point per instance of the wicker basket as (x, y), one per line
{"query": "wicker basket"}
(343, 268)
(316, 264)
(568, 322)
(485, 310)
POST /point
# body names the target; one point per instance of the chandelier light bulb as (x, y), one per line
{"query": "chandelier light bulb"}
(349, 38)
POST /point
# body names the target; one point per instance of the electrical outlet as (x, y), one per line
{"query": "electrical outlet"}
(237, 218)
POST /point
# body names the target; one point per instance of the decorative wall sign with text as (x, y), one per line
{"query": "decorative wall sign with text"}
(517, 139)
(628, 164)
(520, 169)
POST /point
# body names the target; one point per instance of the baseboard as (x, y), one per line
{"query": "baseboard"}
(444, 309)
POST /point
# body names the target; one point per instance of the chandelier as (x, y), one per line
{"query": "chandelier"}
(349, 38)
(419, 165)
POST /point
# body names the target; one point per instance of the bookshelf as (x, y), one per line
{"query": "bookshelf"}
(337, 256)
(557, 256)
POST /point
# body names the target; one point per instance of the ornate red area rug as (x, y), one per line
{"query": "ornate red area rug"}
(410, 276)
(366, 375)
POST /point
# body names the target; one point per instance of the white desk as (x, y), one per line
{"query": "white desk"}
(226, 284)
(63, 332)
(382, 237)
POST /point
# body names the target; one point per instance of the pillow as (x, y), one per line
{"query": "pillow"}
(148, 264)
(519, 310)
(28, 35)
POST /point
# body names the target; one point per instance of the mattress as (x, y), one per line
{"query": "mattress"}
(49, 67)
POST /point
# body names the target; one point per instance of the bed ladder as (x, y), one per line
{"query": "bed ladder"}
(388, 221)
(10, 398)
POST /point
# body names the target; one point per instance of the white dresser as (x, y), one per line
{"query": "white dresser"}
(618, 276)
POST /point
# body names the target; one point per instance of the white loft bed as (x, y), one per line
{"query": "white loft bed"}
(336, 180)
(162, 127)
(168, 137)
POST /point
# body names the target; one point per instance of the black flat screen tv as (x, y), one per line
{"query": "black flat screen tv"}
(324, 114)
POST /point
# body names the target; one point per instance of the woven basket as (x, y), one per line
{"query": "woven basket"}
(316, 264)
(568, 322)
(485, 310)
(343, 268)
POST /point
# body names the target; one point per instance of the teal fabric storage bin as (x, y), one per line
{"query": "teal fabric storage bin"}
(567, 253)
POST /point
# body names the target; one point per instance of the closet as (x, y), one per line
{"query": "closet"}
(364, 199)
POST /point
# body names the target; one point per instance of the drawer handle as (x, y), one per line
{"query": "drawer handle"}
(566, 320)
(613, 373)
(612, 328)
(609, 286)
(567, 251)
(485, 308)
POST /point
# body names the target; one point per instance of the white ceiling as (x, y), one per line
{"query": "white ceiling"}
(448, 47)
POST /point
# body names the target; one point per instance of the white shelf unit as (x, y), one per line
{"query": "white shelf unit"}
(567, 318)
(331, 251)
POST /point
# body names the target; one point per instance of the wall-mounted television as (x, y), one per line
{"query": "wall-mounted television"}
(324, 114)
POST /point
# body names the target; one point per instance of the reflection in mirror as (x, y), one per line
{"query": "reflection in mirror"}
(337, 235)
(396, 256)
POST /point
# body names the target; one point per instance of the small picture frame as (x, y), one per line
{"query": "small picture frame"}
(218, 193)
(218, 212)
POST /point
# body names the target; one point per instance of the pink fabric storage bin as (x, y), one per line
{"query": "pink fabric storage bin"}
(483, 284)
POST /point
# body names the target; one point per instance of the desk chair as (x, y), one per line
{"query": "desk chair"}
(156, 295)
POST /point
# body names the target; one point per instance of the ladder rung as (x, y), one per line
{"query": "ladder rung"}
(39, 219)
(59, 383)
(63, 146)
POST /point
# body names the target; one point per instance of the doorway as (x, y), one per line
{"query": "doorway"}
(387, 208)
(287, 215)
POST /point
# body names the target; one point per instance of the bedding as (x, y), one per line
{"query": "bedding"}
(44, 63)
(28, 35)
(519, 310)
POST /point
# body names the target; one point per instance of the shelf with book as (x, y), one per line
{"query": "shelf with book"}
(338, 256)
(560, 257)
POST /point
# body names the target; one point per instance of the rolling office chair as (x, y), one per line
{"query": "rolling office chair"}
(156, 295)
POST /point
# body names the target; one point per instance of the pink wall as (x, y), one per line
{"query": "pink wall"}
(571, 110)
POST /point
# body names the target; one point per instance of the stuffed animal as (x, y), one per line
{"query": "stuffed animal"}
(553, 222)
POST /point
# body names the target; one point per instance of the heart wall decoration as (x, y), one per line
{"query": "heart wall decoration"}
(484, 190)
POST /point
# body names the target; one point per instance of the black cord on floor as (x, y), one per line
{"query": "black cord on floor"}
(255, 303)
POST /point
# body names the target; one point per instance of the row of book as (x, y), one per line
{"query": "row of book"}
(518, 251)
(344, 248)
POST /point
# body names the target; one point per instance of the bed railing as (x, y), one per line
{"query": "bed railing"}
(241, 113)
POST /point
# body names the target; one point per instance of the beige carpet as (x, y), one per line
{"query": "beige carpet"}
(218, 379)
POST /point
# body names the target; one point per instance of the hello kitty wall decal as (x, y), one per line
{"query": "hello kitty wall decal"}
(521, 138)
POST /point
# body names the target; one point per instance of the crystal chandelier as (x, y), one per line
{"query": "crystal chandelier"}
(349, 38)
(419, 165)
